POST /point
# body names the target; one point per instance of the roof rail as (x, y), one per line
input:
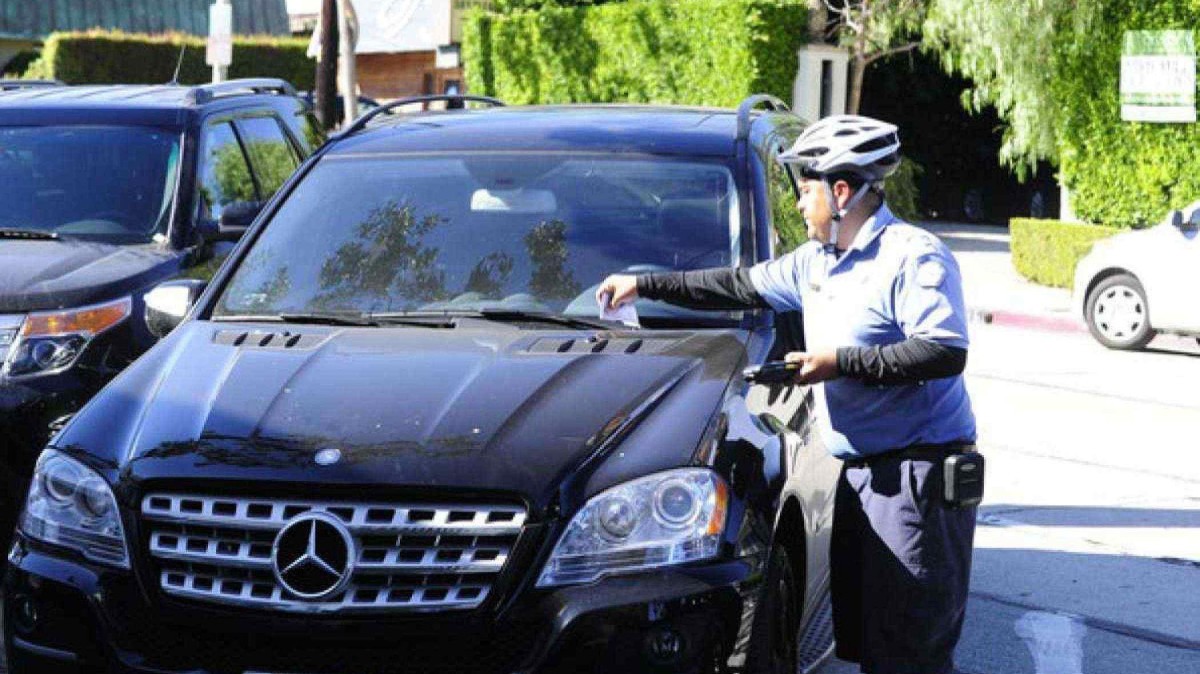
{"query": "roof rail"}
(257, 85)
(10, 85)
(747, 106)
(452, 101)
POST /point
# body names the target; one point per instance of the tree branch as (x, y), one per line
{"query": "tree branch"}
(891, 52)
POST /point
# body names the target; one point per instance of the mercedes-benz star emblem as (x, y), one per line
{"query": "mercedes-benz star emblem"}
(313, 556)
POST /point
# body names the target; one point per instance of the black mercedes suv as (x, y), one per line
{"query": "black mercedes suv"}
(392, 433)
(106, 191)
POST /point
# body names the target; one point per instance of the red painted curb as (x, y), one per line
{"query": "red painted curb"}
(1031, 321)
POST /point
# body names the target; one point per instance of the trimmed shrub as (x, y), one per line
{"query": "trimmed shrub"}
(114, 57)
(19, 64)
(1046, 251)
(715, 52)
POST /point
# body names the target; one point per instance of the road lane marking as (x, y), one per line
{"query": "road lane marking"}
(1055, 641)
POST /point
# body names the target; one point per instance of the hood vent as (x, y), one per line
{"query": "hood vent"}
(261, 339)
(614, 345)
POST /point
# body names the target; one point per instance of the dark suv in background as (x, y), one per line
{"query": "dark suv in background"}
(393, 435)
(106, 191)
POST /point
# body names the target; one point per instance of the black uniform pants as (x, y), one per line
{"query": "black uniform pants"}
(900, 564)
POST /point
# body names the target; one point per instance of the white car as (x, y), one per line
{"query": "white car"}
(1143, 282)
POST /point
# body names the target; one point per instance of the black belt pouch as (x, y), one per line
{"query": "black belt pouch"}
(963, 479)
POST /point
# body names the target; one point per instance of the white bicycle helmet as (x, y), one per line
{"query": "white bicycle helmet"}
(863, 146)
(841, 144)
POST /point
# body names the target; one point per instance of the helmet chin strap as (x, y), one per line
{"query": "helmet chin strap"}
(837, 214)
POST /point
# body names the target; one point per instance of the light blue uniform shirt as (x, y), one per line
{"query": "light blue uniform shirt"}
(894, 283)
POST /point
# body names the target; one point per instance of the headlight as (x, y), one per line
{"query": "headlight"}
(667, 518)
(51, 341)
(71, 506)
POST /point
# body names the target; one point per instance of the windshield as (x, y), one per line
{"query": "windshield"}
(111, 184)
(485, 231)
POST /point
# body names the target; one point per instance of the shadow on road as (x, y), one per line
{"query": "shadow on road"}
(1094, 516)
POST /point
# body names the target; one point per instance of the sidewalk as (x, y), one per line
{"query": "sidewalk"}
(993, 290)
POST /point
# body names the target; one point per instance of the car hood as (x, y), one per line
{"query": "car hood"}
(470, 410)
(37, 275)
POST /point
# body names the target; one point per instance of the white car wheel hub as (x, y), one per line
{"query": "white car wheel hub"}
(1119, 313)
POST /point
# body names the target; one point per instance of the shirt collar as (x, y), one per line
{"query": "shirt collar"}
(872, 228)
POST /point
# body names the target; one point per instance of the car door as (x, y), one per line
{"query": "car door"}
(223, 180)
(1170, 259)
(812, 472)
(273, 156)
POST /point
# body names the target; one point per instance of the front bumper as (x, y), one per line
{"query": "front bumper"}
(65, 615)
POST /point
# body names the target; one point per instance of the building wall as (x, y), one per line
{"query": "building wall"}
(390, 76)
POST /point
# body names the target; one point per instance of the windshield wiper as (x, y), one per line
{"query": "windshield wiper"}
(364, 319)
(33, 234)
(515, 315)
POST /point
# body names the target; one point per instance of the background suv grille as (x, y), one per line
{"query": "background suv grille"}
(407, 556)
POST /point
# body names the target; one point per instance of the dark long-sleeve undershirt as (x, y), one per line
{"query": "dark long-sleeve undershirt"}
(911, 361)
(724, 288)
(908, 362)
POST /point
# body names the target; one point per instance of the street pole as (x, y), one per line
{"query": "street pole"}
(325, 95)
(348, 76)
(220, 71)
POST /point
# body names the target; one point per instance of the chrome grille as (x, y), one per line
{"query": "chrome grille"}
(407, 556)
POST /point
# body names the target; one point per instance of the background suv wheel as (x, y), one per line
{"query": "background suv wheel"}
(1118, 314)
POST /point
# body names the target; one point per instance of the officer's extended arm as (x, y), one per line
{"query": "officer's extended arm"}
(909, 362)
(721, 288)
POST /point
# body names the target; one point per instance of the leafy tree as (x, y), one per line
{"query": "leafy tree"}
(1011, 51)
(506, 6)
(385, 260)
(546, 244)
(871, 30)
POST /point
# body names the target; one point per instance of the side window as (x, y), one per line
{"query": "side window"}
(788, 221)
(314, 137)
(224, 174)
(271, 155)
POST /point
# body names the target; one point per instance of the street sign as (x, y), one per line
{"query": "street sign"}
(1158, 76)
(220, 35)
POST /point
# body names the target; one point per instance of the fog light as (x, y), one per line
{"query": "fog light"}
(665, 645)
(25, 614)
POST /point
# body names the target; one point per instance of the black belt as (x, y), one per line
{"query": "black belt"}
(917, 452)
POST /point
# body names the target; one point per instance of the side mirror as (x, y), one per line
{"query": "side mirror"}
(234, 221)
(169, 302)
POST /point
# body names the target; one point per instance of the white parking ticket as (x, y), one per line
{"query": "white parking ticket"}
(624, 313)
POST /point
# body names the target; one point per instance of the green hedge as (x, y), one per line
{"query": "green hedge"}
(1120, 173)
(113, 57)
(1046, 251)
(903, 192)
(698, 52)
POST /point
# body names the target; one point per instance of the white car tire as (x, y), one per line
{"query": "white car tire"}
(1118, 314)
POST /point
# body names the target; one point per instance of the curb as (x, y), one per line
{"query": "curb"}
(1016, 319)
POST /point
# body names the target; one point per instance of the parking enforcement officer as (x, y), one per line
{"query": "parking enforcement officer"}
(886, 334)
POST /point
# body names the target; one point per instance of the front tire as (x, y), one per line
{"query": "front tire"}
(1118, 314)
(776, 628)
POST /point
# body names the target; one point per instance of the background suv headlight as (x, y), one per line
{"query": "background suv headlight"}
(70, 505)
(667, 518)
(51, 341)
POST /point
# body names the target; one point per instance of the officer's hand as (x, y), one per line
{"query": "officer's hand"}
(621, 287)
(814, 367)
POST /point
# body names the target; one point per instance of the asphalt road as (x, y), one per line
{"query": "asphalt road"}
(1087, 554)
